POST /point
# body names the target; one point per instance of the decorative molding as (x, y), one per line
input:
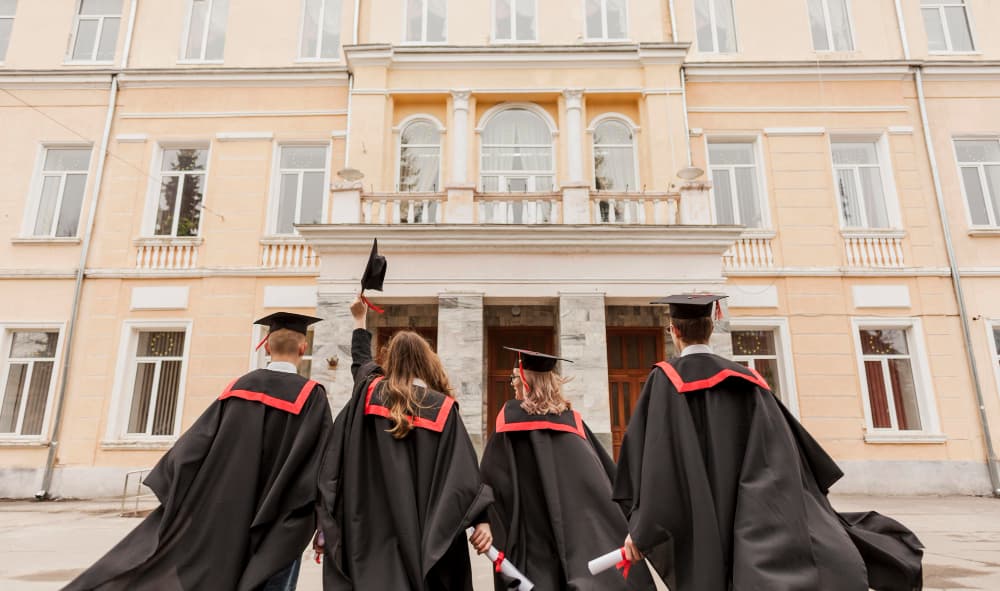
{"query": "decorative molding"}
(131, 138)
(832, 271)
(290, 296)
(235, 77)
(45, 240)
(195, 273)
(37, 274)
(160, 298)
(56, 80)
(792, 131)
(752, 296)
(900, 129)
(756, 71)
(244, 136)
(232, 114)
(881, 296)
(801, 109)
(878, 437)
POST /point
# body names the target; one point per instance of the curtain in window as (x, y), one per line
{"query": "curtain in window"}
(877, 395)
(419, 157)
(614, 157)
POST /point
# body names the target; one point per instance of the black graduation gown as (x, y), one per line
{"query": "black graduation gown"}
(237, 493)
(726, 490)
(394, 511)
(553, 510)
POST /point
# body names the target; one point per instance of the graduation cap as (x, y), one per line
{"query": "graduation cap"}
(534, 361)
(285, 320)
(374, 275)
(693, 305)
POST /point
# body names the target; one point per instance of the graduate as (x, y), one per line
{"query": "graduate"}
(238, 490)
(400, 482)
(726, 490)
(551, 480)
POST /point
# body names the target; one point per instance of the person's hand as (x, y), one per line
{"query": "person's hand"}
(318, 544)
(359, 311)
(482, 538)
(631, 552)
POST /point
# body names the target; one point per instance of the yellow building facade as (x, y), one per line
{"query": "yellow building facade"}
(536, 172)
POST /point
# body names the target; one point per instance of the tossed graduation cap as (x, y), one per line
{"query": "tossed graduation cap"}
(534, 361)
(693, 305)
(374, 275)
(285, 320)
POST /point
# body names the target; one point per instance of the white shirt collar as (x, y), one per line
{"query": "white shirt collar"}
(692, 349)
(282, 366)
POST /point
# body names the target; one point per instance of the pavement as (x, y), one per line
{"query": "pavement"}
(44, 545)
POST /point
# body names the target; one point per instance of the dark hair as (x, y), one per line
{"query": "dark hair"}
(694, 331)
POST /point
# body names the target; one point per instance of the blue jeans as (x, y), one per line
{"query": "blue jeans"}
(285, 579)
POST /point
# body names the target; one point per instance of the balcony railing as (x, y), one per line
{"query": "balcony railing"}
(287, 253)
(750, 253)
(167, 253)
(634, 208)
(403, 208)
(519, 208)
(874, 249)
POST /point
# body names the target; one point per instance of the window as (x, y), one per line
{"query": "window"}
(182, 186)
(716, 26)
(606, 20)
(733, 167)
(515, 20)
(890, 379)
(860, 184)
(425, 21)
(758, 349)
(517, 153)
(947, 25)
(60, 193)
(305, 366)
(156, 385)
(320, 29)
(205, 38)
(96, 34)
(614, 156)
(301, 187)
(7, 10)
(419, 157)
(979, 162)
(27, 385)
(830, 22)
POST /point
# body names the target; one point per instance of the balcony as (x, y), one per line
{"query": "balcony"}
(167, 253)
(874, 249)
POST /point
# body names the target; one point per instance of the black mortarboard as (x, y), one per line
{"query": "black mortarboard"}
(288, 320)
(534, 361)
(374, 275)
(692, 305)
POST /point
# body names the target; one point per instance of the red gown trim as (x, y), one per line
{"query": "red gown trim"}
(437, 425)
(268, 400)
(709, 382)
(502, 426)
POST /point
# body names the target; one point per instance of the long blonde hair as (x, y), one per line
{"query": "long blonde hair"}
(544, 392)
(408, 357)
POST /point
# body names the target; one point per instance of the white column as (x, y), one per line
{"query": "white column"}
(574, 134)
(583, 339)
(460, 345)
(460, 137)
(331, 364)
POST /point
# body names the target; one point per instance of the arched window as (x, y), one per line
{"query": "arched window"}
(517, 153)
(419, 157)
(614, 156)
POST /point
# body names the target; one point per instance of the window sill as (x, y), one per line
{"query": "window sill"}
(187, 62)
(23, 443)
(514, 42)
(45, 240)
(599, 41)
(318, 60)
(984, 231)
(85, 63)
(949, 53)
(167, 241)
(904, 437)
(139, 444)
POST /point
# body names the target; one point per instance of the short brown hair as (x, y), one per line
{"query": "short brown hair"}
(694, 331)
(285, 342)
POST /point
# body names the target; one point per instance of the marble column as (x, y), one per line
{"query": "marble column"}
(331, 365)
(460, 137)
(574, 135)
(461, 336)
(583, 339)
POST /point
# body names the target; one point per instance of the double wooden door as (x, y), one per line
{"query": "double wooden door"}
(500, 362)
(631, 354)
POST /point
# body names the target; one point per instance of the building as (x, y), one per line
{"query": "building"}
(172, 175)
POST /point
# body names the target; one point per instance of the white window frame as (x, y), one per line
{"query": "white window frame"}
(783, 349)
(10, 17)
(513, 24)
(77, 17)
(950, 50)
(275, 192)
(398, 132)
(319, 44)
(204, 41)
(258, 357)
(922, 379)
(35, 197)
(592, 131)
(762, 185)
(992, 325)
(604, 23)
(156, 180)
(6, 330)
(553, 130)
(982, 180)
(828, 29)
(715, 30)
(423, 31)
(121, 397)
(887, 173)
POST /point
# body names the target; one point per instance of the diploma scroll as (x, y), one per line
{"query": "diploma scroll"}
(607, 561)
(506, 568)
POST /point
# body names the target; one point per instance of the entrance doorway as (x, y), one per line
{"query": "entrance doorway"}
(386, 333)
(631, 354)
(500, 362)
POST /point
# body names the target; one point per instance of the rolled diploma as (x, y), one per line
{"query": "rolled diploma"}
(603, 563)
(506, 567)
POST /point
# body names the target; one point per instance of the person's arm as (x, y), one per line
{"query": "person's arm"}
(361, 339)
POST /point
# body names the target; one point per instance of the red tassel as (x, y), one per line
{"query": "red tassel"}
(372, 306)
(718, 311)
(624, 565)
(520, 369)
(498, 561)
(262, 341)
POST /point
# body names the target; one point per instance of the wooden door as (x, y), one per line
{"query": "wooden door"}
(386, 333)
(631, 354)
(500, 362)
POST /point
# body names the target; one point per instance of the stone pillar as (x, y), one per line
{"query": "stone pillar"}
(460, 344)
(696, 204)
(576, 203)
(583, 339)
(574, 134)
(460, 137)
(345, 204)
(331, 360)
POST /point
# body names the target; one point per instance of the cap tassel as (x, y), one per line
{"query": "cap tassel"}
(718, 311)
(262, 341)
(372, 306)
(520, 369)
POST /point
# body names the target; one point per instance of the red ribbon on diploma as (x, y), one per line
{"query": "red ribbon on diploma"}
(374, 308)
(624, 565)
(498, 561)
